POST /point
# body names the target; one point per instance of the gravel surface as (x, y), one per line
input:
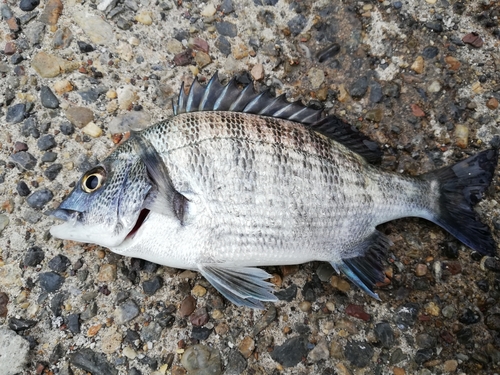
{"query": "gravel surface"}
(422, 77)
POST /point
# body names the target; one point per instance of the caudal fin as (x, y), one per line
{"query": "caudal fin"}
(461, 186)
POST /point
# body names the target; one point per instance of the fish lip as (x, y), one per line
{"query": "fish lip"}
(63, 213)
(141, 219)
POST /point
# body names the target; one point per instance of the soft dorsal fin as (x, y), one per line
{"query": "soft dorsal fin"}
(217, 97)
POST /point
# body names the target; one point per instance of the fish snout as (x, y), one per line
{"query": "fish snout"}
(65, 214)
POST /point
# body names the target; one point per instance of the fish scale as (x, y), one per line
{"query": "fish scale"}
(238, 179)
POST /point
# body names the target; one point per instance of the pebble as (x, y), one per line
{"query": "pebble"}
(46, 142)
(374, 115)
(52, 171)
(264, 321)
(199, 317)
(97, 29)
(246, 346)
(287, 294)
(435, 86)
(50, 281)
(59, 263)
(133, 120)
(425, 341)
(24, 160)
(406, 316)
(329, 52)
(359, 353)
(62, 38)
(418, 65)
(202, 360)
(223, 45)
(461, 135)
(339, 283)
(28, 5)
(316, 77)
(79, 116)
(107, 273)
(297, 24)
(125, 312)
(199, 291)
(49, 157)
(187, 306)
(92, 129)
(33, 257)
(473, 39)
(126, 96)
(236, 363)
(417, 111)
(19, 325)
(290, 353)
(305, 306)
(15, 352)
(152, 285)
(202, 59)
(358, 312)
(257, 72)
(432, 309)
(95, 363)
(226, 28)
(62, 86)
(22, 189)
(430, 52)
(343, 94)
(468, 317)
(16, 113)
(4, 221)
(450, 365)
(385, 335)
(39, 198)
(145, 17)
(151, 332)
(67, 128)
(492, 321)
(359, 87)
(4, 301)
(73, 321)
(423, 355)
(208, 11)
(201, 333)
(129, 352)
(421, 270)
(453, 63)
(50, 66)
(320, 352)
(492, 103)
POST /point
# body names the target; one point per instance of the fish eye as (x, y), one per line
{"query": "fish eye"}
(93, 180)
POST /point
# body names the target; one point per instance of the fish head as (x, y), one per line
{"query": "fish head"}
(107, 203)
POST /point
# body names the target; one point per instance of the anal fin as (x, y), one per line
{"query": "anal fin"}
(243, 286)
(367, 269)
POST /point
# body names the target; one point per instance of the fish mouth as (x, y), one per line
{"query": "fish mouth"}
(66, 215)
(143, 215)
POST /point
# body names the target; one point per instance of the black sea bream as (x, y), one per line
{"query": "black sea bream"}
(237, 179)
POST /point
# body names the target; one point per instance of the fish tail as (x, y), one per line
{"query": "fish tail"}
(460, 187)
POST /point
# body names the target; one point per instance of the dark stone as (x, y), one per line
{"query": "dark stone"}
(200, 333)
(468, 317)
(492, 264)
(39, 198)
(223, 45)
(74, 323)
(15, 59)
(33, 257)
(421, 284)
(16, 113)
(151, 332)
(67, 128)
(19, 325)
(297, 24)
(151, 362)
(265, 2)
(430, 52)
(88, 360)
(384, 335)
(49, 157)
(46, 142)
(406, 316)
(484, 285)
(50, 281)
(52, 171)
(236, 363)
(397, 4)
(464, 336)
(132, 337)
(226, 29)
(57, 353)
(184, 58)
(47, 97)
(150, 267)
(329, 52)
(359, 353)
(450, 249)
(165, 319)
(89, 95)
(134, 371)
(84, 47)
(28, 5)
(359, 87)
(291, 352)
(391, 90)
(493, 322)
(122, 23)
(426, 341)
(423, 355)
(227, 6)
(199, 317)
(22, 189)
(302, 329)
(30, 127)
(288, 294)
(152, 285)
(56, 304)
(264, 321)
(434, 26)
(24, 160)
(375, 92)
(59, 263)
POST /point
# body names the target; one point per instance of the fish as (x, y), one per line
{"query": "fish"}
(238, 179)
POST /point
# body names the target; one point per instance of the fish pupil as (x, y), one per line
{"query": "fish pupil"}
(92, 182)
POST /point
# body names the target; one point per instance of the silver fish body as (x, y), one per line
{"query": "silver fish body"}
(222, 192)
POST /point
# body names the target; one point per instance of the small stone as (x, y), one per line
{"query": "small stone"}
(33, 257)
(226, 29)
(453, 63)
(50, 281)
(59, 263)
(291, 352)
(79, 116)
(288, 294)
(406, 315)
(316, 77)
(129, 352)
(450, 365)
(297, 24)
(399, 370)
(4, 221)
(264, 321)
(52, 171)
(319, 352)
(95, 363)
(359, 353)
(151, 332)
(39, 198)
(492, 321)
(468, 317)
(62, 38)
(246, 346)
(92, 129)
(359, 87)
(423, 355)
(492, 103)
(67, 128)
(187, 306)
(28, 5)
(63, 86)
(343, 94)
(430, 52)
(374, 115)
(74, 323)
(208, 11)
(432, 309)
(126, 96)
(16, 113)
(425, 341)
(10, 48)
(174, 46)
(339, 283)
(421, 270)
(473, 39)
(145, 17)
(47, 97)
(107, 273)
(417, 111)
(325, 271)
(448, 311)
(201, 333)
(50, 66)
(257, 72)
(15, 352)
(85, 47)
(22, 189)
(46, 142)
(358, 312)
(96, 28)
(125, 312)
(198, 291)
(385, 335)
(202, 360)
(236, 363)
(4, 301)
(223, 45)
(202, 59)
(152, 285)
(435, 86)
(52, 12)
(24, 160)
(418, 65)
(461, 136)
(49, 157)
(305, 306)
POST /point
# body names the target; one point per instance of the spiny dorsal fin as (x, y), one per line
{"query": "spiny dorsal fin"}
(217, 97)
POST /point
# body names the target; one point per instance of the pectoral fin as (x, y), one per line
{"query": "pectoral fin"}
(243, 286)
(367, 269)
